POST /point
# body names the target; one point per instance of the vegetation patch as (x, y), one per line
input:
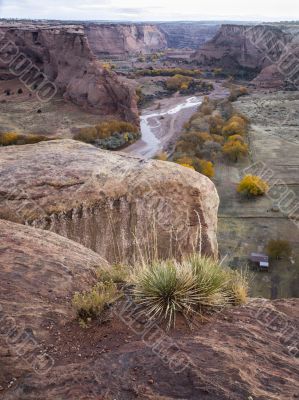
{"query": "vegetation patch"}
(214, 131)
(110, 135)
(186, 84)
(164, 289)
(195, 73)
(13, 138)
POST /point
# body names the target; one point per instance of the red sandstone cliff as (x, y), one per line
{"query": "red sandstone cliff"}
(123, 39)
(63, 54)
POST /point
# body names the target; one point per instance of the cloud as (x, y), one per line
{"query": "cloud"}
(150, 9)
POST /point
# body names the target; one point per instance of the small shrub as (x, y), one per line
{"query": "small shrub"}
(90, 304)
(236, 125)
(252, 185)
(237, 92)
(116, 273)
(235, 149)
(178, 82)
(207, 168)
(278, 249)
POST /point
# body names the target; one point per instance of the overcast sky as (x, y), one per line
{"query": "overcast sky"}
(155, 10)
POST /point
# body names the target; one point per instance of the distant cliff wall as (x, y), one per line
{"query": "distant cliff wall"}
(122, 39)
(63, 55)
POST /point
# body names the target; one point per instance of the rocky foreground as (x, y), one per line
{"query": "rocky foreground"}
(112, 203)
(241, 353)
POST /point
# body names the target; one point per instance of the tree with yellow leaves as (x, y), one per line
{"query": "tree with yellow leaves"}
(235, 149)
(187, 166)
(252, 185)
(207, 168)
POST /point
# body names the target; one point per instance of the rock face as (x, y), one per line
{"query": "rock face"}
(63, 55)
(238, 48)
(112, 203)
(45, 354)
(190, 35)
(122, 39)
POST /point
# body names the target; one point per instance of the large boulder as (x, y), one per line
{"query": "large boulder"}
(39, 273)
(243, 352)
(115, 204)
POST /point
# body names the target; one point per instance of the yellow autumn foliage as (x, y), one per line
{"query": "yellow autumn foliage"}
(252, 185)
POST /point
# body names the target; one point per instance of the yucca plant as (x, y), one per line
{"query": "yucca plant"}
(211, 279)
(165, 288)
(196, 284)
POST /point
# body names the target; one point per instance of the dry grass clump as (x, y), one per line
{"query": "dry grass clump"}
(117, 273)
(13, 138)
(91, 303)
(164, 289)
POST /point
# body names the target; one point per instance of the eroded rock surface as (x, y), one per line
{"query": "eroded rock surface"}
(124, 39)
(110, 202)
(63, 55)
(39, 273)
(245, 49)
(45, 354)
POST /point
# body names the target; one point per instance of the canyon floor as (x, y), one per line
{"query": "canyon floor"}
(247, 226)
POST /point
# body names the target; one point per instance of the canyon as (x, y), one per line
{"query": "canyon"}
(68, 209)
